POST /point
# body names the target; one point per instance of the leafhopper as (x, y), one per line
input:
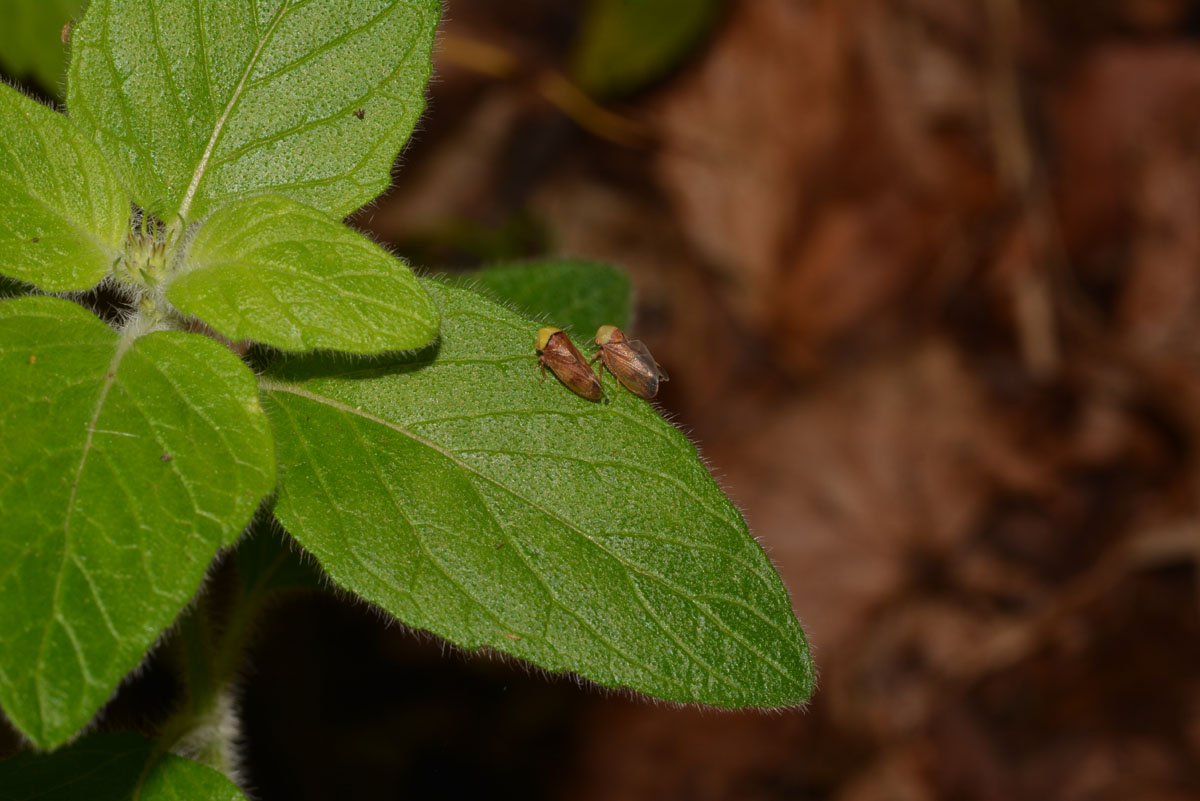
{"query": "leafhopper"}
(556, 351)
(630, 361)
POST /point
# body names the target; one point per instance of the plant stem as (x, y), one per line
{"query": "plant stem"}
(210, 644)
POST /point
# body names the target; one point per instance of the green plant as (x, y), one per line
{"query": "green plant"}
(395, 427)
(624, 45)
(32, 39)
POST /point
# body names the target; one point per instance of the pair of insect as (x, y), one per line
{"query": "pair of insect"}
(627, 359)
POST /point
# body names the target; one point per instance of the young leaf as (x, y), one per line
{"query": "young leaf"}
(111, 767)
(64, 216)
(126, 463)
(274, 271)
(31, 39)
(202, 103)
(467, 497)
(577, 295)
(626, 44)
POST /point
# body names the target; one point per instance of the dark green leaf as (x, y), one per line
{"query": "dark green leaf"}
(579, 296)
(626, 44)
(31, 38)
(111, 767)
(467, 497)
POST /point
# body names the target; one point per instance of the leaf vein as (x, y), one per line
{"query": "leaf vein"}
(219, 125)
(548, 513)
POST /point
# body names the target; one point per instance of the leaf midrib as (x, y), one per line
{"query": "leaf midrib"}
(554, 599)
(219, 126)
(123, 346)
(271, 385)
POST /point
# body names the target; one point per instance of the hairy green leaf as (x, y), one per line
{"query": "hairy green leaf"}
(274, 271)
(626, 44)
(126, 463)
(64, 216)
(203, 103)
(467, 497)
(31, 38)
(579, 296)
(111, 767)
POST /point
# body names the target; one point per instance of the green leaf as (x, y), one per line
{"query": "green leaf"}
(274, 271)
(627, 44)
(203, 103)
(64, 216)
(127, 463)
(111, 767)
(31, 39)
(466, 497)
(579, 296)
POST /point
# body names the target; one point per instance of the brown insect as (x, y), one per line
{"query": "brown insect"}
(556, 351)
(630, 361)
(360, 113)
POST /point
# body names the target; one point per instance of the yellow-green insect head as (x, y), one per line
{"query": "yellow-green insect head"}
(544, 335)
(605, 334)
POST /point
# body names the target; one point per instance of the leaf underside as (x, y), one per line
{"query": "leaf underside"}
(126, 466)
(64, 215)
(466, 497)
(199, 104)
(111, 767)
(271, 270)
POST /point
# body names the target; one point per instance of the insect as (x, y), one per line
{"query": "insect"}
(556, 351)
(360, 113)
(630, 361)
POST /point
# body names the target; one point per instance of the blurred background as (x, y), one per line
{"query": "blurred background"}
(926, 277)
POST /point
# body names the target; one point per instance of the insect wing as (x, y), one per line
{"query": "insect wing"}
(566, 362)
(643, 352)
(636, 371)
